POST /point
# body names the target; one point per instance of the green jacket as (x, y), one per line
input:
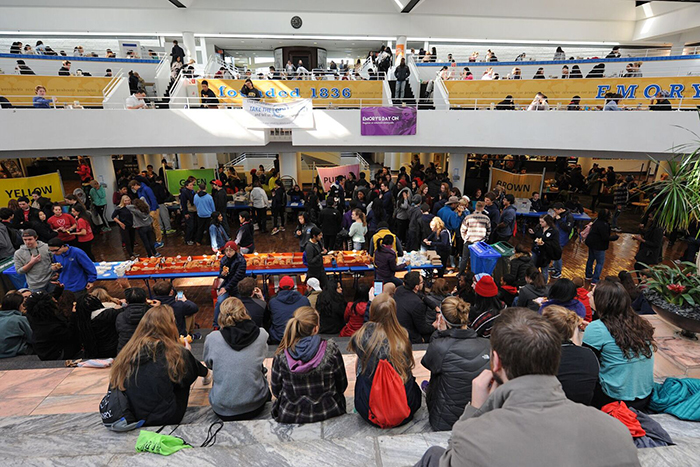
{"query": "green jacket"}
(15, 334)
(99, 197)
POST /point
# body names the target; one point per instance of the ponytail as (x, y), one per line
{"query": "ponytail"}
(302, 324)
(361, 216)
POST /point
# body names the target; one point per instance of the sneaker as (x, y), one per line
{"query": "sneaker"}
(106, 229)
(159, 245)
(589, 278)
(281, 229)
(555, 276)
(170, 232)
(424, 386)
(190, 243)
(158, 255)
(275, 231)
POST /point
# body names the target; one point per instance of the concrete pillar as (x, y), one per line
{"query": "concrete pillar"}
(458, 170)
(425, 158)
(141, 160)
(103, 168)
(189, 45)
(187, 161)
(400, 51)
(677, 44)
(586, 164)
(392, 160)
(289, 165)
(207, 160)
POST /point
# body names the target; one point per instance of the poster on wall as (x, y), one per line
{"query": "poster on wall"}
(176, 178)
(294, 114)
(328, 174)
(388, 121)
(50, 186)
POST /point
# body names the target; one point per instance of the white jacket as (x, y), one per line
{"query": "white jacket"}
(259, 198)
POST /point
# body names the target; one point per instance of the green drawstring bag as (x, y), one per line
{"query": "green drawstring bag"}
(150, 441)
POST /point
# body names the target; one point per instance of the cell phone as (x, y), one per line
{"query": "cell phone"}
(378, 285)
(180, 295)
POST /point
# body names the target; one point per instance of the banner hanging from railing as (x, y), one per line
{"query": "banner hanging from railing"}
(20, 89)
(176, 178)
(518, 185)
(328, 174)
(49, 185)
(294, 114)
(387, 121)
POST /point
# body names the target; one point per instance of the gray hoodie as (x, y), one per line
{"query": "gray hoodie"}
(141, 219)
(6, 247)
(40, 274)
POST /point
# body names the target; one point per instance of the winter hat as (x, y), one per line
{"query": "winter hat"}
(314, 284)
(416, 199)
(233, 245)
(286, 283)
(486, 287)
(452, 200)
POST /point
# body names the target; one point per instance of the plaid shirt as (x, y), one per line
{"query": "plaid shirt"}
(313, 396)
(475, 227)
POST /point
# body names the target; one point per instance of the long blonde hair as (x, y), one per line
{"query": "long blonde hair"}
(157, 327)
(103, 296)
(302, 324)
(382, 315)
(360, 216)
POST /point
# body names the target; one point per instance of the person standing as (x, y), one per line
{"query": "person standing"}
(651, 243)
(598, 241)
(330, 220)
(506, 226)
(303, 230)
(205, 207)
(63, 224)
(220, 197)
(402, 73)
(476, 227)
(231, 272)
(313, 252)
(358, 229)
(279, 205)
(99, 200)
(144, 192)
(546, 244)
(76, 272)
(162, 196)
(143, 224)
(33, 259)
(83, 230)
(565, 225)
(176, 52)
(491, 210)
(188, 210)
(260, 202)
(245, 236)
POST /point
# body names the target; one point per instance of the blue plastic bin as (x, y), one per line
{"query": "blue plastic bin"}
(483, 258)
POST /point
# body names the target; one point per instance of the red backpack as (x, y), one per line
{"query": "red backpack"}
(388, 405)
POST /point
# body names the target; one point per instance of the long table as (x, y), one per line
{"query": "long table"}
(578, 218)
(231, 206)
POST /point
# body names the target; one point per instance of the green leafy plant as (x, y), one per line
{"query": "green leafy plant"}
(678, 284)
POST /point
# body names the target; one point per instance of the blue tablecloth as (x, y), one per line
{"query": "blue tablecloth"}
(245, 207)
(577, 217)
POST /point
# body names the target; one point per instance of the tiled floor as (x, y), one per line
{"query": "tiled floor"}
(79, 390)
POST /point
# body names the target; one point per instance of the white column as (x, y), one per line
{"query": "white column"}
(289, 165)
(425, 158)
(189, 46)
(663, 169)
(458, 170)
(103, 168)
(392, 160)
(141, 159)
(586, 164)
(187, 161)
(400, 49)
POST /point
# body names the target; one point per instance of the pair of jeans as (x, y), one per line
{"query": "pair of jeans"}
(465, 258)
(358, 246)
(148, 239)
(217, 308)
(400, 89)
(556, 267)
(616, 214)
(189, 227)
(128, 237)
(597, 256)
(262, 219)
(544, 269)
(278, 213)
(202, 231)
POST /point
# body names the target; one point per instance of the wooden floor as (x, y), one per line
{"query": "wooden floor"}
(107, 247)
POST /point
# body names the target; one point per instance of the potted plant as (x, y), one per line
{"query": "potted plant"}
(674, 294)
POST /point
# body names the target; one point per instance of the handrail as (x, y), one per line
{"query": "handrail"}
(113, 82)
(443, 102)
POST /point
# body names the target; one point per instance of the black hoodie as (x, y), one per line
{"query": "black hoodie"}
(128, 320)
(241, 335)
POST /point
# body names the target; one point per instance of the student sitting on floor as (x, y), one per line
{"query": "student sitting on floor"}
(54, 335)
(308, 373)
(15, 332)
(535, 288)
(564, 293)
(455, 356)
(507, 292)
(383, 339)
(127, 321)
(235, 354)
(582, 296)
(155, 371)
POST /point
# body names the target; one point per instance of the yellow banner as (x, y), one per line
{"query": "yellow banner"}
(50, 186)
(520, 186)
(67, 89)
(560, 91)
(324, 93)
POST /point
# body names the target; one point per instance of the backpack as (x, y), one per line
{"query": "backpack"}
(116, 413)
(586, 231)
(388, 405)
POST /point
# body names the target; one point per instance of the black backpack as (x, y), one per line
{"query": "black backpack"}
(116, 413)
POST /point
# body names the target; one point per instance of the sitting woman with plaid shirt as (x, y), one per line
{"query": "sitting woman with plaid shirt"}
(308, 373)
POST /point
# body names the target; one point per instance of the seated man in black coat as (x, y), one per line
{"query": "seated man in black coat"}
(182, 307)
(411, 310)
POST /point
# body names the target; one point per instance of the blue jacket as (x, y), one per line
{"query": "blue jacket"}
(77, 269)
(451, 219)
(236, 273)
(218, 236)
(507, 218)
(282, 307)
(573, 305)
(565, 223)
(204, 204)
(147, 194)
(679, 397)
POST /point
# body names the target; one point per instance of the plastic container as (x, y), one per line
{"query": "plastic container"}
(483, 258)
(506, 250)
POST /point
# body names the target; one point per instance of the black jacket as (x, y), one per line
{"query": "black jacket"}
(279, 199)
(255, 308)
(106, 337)
(127, 322)
(314, 259)
(651, 249)
(329, 220)
(18, 222)
(411, 311)
(55, 338)
(247, 240)
(578, 372)
(236, 273)
(385, 264)
(454, 357)
(181, 310)
(528, 293)
(331, 311)
(550, 250)
(600, 236)
(518, 268)
(221, 201)
(153, 396)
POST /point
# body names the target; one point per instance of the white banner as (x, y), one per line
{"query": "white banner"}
(293, 114)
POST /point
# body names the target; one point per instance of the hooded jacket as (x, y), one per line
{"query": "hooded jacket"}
(573, 305)
(40, 274)
(309, 382)
(529, 292)
(385, 264)
(15, 334)
(411, 311)
(54, 337)
(519, 264)
(181, 309)
(77, 270)
(7, 249)
(204, 204)
(493, 434)
(403, 205)
(102, 323)
(305, 236)
(454, 357)
(236, 354)
(236, 273)
(331, 309)
(128, 320)
(152, 395)
(220, 199)
(281, 308)
(354, 317)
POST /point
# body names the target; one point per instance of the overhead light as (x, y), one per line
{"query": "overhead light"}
(399, 4)
(293, 36)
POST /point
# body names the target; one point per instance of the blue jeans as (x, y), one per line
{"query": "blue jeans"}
(599, 257)
(400, 89)
(543, 269)
(217, 308)
(556, 266)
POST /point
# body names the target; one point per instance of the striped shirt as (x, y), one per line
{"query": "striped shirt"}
(475, 227)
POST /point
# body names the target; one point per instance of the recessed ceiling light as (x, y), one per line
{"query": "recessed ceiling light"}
(315, 43)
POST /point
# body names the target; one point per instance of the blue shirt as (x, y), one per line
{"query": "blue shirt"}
(204, 204)
(41, 103)
(507, 218)
(621, 378)
(77, 269)
(147, 194)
